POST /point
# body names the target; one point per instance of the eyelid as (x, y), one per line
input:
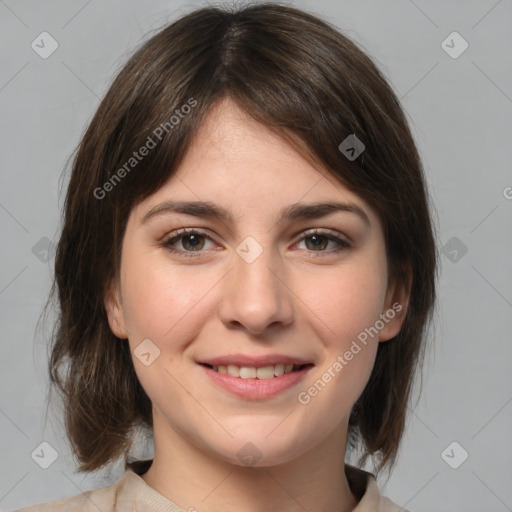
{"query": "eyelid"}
(331, 235)
(176, 235)
(326, 232)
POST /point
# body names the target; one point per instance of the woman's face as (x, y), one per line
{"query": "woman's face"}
(254, 287)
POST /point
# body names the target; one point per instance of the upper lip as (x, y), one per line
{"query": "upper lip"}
(254, 361)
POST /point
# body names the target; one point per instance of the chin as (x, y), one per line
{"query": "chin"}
(258, 450)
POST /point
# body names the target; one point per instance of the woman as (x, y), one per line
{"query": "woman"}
(246, 271)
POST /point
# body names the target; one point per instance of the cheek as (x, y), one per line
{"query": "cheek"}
(162, 303)
(348, 302)
(346, 308)
(158, 296)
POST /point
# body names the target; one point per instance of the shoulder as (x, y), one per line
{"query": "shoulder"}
(386, 505)
(104, 499)
(364, 485)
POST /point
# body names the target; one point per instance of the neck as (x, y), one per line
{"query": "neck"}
(194, 479)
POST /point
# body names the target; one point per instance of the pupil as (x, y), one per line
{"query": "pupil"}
(192, 241)
(317, 240)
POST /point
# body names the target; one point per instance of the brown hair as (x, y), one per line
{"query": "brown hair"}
(299, 76)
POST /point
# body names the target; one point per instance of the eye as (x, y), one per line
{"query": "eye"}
(190, 240)
(319, 239)
(193, 241)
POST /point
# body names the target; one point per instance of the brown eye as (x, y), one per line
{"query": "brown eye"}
(318, 242)
(192, 242)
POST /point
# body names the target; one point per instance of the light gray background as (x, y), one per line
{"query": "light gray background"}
(461, 111)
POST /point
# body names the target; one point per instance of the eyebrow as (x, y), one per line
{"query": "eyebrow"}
(293, 212)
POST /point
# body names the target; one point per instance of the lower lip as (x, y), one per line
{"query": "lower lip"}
(256, 389)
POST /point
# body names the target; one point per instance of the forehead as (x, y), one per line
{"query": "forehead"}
(242, 165)
(229, 138)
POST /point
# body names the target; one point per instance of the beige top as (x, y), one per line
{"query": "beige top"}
(132, 494)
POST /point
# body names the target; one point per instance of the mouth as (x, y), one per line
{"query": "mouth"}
(266, 372)
(262, 382)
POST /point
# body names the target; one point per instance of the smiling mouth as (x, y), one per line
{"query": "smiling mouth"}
(263, 372)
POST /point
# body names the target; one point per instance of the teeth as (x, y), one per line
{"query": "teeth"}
(249, 372)
(266, 372)
(233, 370)
(278, 370)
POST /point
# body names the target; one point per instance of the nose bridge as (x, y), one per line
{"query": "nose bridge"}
(256, 295)
(255, 269)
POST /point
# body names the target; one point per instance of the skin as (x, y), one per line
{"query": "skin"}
(294, 299)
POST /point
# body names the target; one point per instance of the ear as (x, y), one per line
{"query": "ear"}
(396, 305)
(115, 312)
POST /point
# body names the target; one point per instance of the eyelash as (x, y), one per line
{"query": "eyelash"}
(167, 244)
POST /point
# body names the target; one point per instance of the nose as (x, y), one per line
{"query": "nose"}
(256, 295)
